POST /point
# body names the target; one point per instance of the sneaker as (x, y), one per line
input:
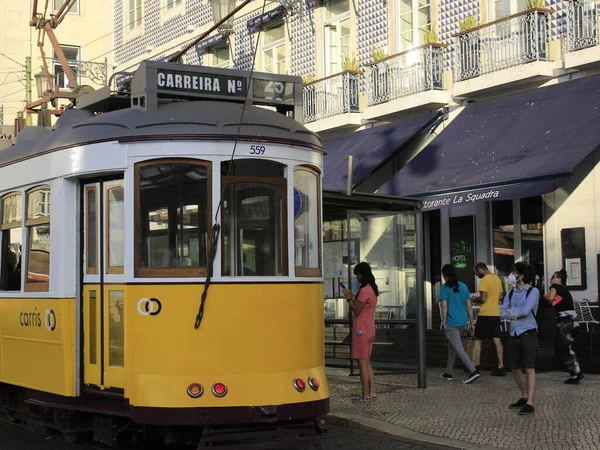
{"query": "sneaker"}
(446, 376)
(472, 377)
(465, 370)
(575, 380)
(527, 409)
(519, 403)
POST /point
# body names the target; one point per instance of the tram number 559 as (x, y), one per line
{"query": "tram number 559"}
(257, 149)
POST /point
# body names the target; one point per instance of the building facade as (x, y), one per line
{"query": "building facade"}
(455, 102)
(85, 36)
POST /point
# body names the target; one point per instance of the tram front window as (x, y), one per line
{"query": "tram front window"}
(173, 218)
(253, 229)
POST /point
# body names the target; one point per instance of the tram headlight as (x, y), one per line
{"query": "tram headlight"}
(195, 390)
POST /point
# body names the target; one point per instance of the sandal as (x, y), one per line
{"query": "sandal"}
(360, 399)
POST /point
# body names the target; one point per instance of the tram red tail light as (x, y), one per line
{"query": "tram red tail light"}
(195, 390)
(314, 384)
(219, 390)
(299, 385)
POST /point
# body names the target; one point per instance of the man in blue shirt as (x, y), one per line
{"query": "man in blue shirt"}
(520, 307)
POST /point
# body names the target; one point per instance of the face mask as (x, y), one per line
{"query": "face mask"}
(512, 279)
(479, 275)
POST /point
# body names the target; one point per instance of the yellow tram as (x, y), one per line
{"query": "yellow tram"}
(111, 226)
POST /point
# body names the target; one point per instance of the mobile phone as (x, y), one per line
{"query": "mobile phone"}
(342, 285)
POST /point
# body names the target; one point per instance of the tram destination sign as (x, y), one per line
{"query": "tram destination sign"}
(218, 84)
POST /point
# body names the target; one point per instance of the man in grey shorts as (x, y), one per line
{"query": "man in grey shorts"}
(520, 307)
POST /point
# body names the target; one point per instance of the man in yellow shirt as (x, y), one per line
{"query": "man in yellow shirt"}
(488, 318)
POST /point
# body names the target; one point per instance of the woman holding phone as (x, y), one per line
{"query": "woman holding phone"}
(362, 306)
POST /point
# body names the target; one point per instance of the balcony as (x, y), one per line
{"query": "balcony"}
(89, 73)
(520, 43)
(583, 47)
(335, 98)
(407, 81)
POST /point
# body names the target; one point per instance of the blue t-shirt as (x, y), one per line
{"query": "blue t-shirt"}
(457, 315)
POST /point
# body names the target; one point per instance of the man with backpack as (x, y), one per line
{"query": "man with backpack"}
(520, 307)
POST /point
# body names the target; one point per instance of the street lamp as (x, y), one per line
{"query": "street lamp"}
(40, 78)
(220, 9)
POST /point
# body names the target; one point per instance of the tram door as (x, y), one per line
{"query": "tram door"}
(103, 284)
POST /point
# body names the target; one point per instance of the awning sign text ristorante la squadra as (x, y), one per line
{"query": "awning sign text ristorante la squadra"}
(196, 83)
(459, 199)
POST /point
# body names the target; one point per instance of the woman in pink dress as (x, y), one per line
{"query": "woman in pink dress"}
(363, 333)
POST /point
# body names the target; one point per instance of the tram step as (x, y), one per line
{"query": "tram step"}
(255, 437)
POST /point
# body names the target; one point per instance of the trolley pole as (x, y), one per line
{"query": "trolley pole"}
(421, 310)
(28, 85)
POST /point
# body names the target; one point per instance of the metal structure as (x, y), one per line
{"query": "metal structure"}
(330, 96)
(416, 70)
(582, 29)
(504, 43)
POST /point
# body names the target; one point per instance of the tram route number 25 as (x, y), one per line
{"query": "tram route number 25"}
(257, 149)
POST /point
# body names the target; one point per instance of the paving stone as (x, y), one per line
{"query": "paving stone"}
(566, 417)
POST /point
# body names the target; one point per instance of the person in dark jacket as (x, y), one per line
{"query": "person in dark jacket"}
(567, 325)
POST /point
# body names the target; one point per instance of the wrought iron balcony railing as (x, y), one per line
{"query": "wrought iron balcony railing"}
(331, 96)
(582, 29)
(407, 73)
(508, 42)
(87, 72)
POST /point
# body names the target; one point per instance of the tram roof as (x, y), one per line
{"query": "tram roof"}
(173, 120)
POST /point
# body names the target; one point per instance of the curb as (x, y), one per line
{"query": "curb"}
(364, 423)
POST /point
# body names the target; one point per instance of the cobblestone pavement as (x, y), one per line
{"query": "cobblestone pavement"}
(14, 437)
(566, 417)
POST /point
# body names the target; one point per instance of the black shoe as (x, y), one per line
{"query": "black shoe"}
(499, 372)
(472, 377)
(576, 380)
(465, 370)
(446, 376)
(527, 409)
(519, 403)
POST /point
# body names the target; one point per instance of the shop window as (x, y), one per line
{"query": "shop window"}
(532, 237)
(254, 218)
(12, 223)
(337, 34)
(307, 222)
(38, 239)
(504, 238)
(274, 60)
(174, 210)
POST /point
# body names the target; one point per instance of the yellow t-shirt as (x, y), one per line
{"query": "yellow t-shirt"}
(492, 285)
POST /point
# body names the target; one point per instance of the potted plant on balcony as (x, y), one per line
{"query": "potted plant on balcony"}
(350, 67)
(379, 76)
(469, 48)
(535, 32)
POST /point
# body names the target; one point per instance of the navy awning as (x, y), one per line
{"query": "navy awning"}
(514, 146)
(369, 148)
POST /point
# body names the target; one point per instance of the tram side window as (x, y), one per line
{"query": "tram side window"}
(254, 218)
(38, 239)
(12, 223)
(174, 210)
(307, 226)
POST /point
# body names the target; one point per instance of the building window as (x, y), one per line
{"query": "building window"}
(38, 239)
(12, 223)
(134, 13)
(307, 222)
(502, 8)
(414, 20)
(72, 56)
(221, 56)
(274, 49)
(337, 34)
(172, 3)
(253, 216)
(58, 3)
(174, 214)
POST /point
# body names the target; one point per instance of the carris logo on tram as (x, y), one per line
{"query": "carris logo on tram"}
(149, 306)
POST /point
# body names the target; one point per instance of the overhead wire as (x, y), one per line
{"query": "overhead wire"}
(216, 229)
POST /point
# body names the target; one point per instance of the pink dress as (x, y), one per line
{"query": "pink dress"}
(363, 333)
